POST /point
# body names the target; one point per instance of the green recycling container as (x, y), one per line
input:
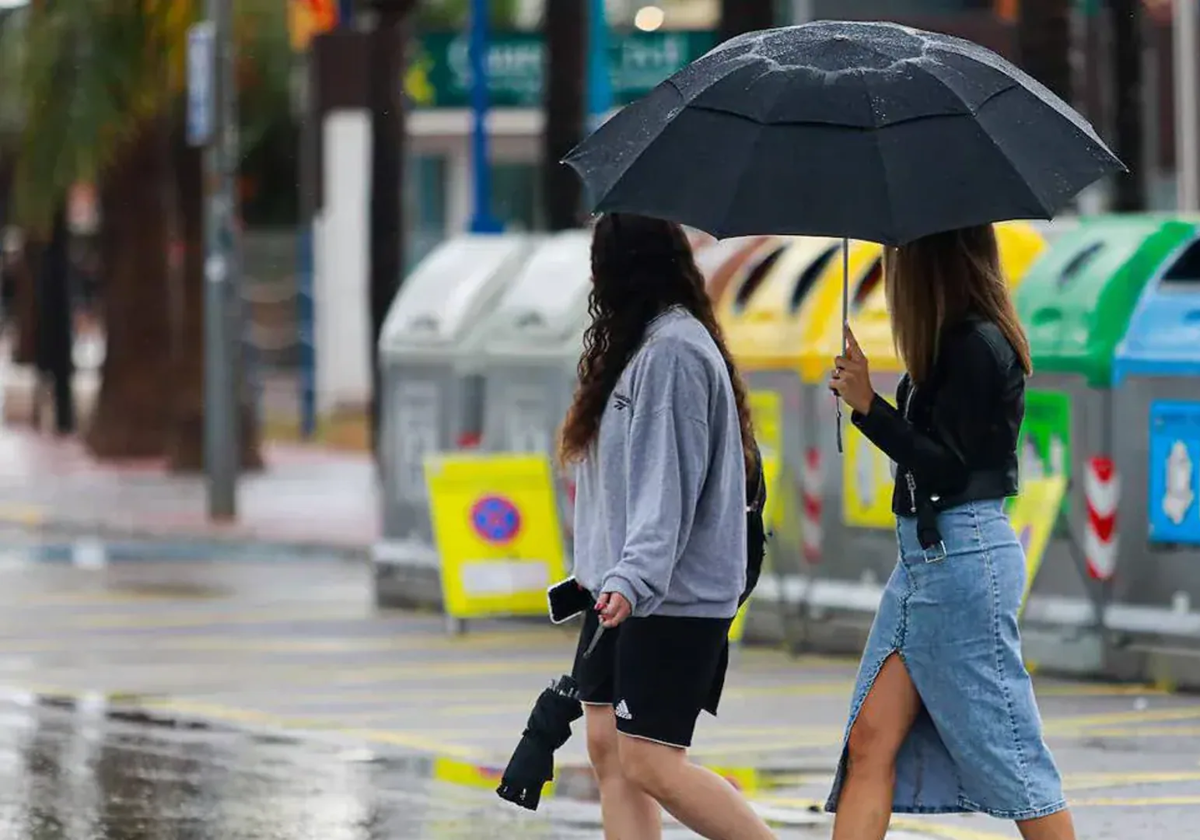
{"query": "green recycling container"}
(1076, 304)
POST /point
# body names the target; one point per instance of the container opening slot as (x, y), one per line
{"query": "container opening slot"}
(1079, 262)
(1185, 271)
(756, 277)
(809, 276)
(868, 284)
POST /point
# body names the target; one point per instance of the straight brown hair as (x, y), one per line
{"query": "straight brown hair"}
(941, 279)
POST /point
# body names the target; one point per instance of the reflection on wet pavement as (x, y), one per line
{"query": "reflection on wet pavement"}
(78, 775)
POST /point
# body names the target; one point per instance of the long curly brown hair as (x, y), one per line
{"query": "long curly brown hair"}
(640, 268)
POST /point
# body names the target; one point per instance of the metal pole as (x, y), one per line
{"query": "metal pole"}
(1187, 109)
(481, 218)
(221, 268)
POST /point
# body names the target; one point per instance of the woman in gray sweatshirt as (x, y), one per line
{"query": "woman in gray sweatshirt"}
(660, 435)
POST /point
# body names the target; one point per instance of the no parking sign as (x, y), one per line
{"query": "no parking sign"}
(497, 532)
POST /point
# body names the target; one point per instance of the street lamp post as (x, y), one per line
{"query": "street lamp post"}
(213, 124)
(1187, 110)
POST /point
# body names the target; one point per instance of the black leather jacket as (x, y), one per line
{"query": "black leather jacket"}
(954, 440)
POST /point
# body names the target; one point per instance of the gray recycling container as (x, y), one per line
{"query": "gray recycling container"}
(432, 400)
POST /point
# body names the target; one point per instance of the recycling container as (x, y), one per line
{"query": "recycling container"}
(432, 401)
(764, 338)
(529, 350)
(1076, 305)
(722, 262)
(1156, 407)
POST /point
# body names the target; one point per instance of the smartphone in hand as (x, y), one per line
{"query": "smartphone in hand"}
(567, 600)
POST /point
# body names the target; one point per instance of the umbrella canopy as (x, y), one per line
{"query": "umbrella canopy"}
(873, 131)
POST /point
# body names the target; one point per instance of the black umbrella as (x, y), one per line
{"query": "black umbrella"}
(874, 131)
(548, 728)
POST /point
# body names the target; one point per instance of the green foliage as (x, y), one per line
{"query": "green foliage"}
(454, 14)
(89, 74)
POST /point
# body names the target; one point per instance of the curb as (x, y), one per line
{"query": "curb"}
(37, 520)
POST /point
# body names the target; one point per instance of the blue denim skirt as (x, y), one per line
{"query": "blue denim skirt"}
(977, 743)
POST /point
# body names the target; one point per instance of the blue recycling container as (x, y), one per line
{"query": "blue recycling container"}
(1156, 416)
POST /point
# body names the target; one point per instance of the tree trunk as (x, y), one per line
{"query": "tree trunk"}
(185, 439)
(741, 16)
(132, 413)
(565, 92)
(387, 181)
(1127, 24)
(24, 304)
(1044, 43)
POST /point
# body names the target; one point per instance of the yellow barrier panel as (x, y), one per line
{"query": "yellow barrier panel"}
(496, 527)
(766, 410)
(866, 482)
(1033, 514)
(771, 470)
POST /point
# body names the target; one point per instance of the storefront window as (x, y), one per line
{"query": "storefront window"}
(515, 196)
(425, 206)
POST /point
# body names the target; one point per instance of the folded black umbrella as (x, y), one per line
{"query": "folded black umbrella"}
(871, 131)
(548, 728)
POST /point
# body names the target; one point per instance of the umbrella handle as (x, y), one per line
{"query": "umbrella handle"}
(845, 323)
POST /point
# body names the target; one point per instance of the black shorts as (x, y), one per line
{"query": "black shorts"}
(658, 673)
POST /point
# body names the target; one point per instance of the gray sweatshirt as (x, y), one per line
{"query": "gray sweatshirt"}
(660, 504)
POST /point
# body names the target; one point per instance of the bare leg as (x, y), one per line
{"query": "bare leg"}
(628, 812)
(864, 808)
(1054, 827)
(698, 798)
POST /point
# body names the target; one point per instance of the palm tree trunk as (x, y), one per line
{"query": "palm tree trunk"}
(1044, 43)
(132, 414)
(741, 16)
(387, 223)
(565, 92)
(185, 437)
(1127, 24)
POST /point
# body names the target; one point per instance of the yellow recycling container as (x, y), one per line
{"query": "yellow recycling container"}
(780, 307)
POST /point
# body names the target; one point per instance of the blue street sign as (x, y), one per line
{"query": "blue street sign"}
(201, 94)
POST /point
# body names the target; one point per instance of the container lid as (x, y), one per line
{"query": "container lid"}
(543, 308)
(1019, 245)
(1164, 332)
(1077, 300)
(758, 331)
(450, 292)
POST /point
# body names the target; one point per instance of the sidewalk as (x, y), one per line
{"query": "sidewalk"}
(306, 497)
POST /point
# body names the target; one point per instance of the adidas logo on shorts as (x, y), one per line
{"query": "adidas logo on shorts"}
(622, 711)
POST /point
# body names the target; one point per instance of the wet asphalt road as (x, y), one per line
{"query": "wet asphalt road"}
(187, 692)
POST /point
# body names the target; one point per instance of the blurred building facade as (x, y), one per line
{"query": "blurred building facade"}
(440, 179)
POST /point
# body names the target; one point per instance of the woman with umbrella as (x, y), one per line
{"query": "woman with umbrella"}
(661, 437)
(944, 717)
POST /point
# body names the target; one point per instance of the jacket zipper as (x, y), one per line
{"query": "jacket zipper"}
(908, 476)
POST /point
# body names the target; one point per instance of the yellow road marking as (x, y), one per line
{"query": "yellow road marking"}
(1094, 781)
(900, 823)
(233, 643)
(28, 515)
(156, 621)
(946, 832)
(1138, 802)
(1148, 716)
(214, 711)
